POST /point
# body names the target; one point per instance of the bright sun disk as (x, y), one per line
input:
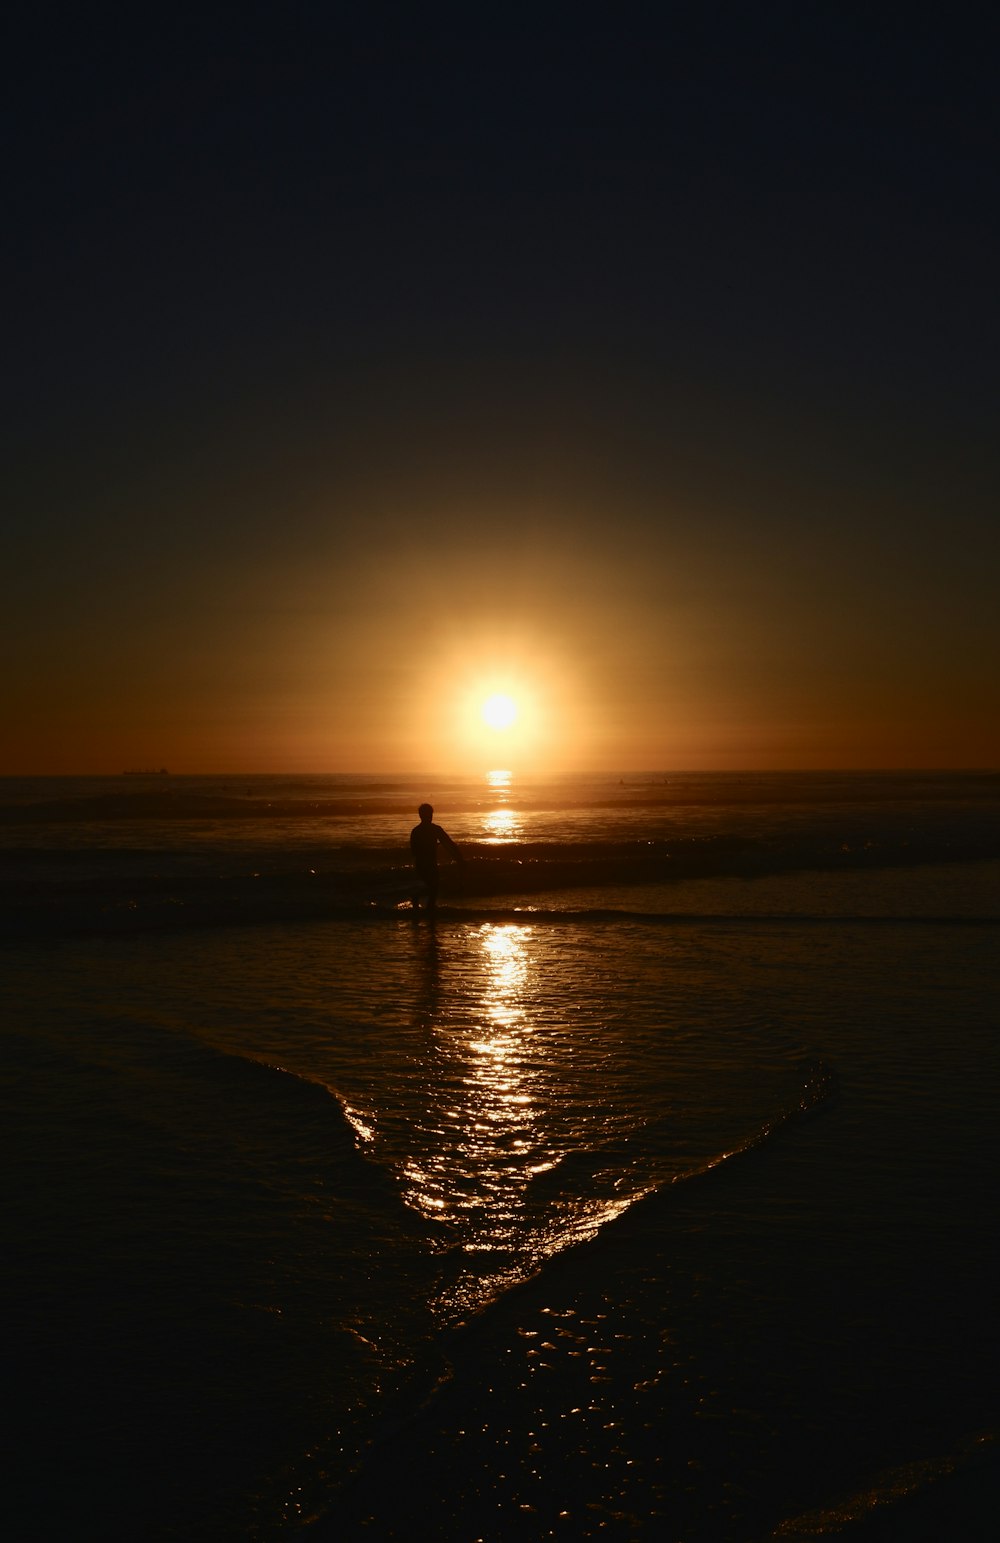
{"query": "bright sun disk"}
(499, 711)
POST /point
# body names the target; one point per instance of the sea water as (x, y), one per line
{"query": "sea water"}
(645, 1191)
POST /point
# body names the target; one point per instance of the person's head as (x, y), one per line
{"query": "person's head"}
(426, 812)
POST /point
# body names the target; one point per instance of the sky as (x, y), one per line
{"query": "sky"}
(638, 362)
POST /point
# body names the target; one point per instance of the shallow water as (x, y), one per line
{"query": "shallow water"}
(659, 1210)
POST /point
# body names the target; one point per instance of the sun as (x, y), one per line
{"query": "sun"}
(499, 711)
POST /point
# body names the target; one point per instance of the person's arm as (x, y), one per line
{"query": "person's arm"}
(446, 840)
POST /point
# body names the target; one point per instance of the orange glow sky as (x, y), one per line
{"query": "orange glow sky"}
(694, 457)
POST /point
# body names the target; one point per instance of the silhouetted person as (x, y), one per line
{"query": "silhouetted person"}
(424, 840)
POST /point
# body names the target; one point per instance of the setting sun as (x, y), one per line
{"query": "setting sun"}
(514, 704)
(499, 711)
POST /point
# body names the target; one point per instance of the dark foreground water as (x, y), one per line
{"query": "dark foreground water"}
(648, 1193)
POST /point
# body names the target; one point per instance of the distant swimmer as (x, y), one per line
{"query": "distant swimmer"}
(424, 841)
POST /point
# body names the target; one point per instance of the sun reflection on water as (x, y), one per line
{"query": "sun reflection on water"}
(501, 825)
(502, 1114)
(490, 1065)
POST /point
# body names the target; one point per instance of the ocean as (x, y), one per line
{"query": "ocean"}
(644, 1191)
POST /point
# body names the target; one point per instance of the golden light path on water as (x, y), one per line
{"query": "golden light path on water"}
(502, 823)
(502, 1124)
